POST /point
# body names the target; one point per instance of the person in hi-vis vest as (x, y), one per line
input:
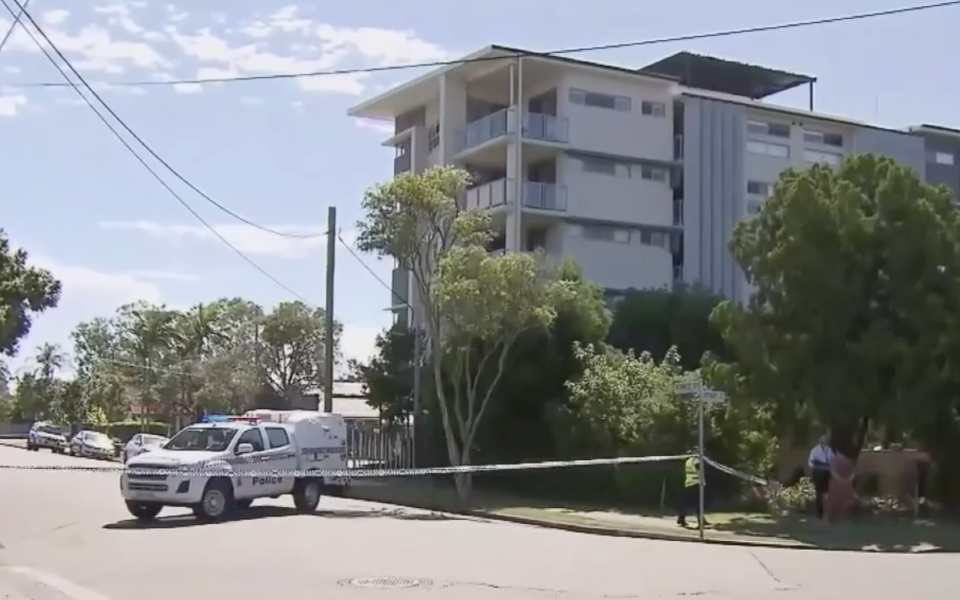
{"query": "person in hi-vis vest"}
(690, 498)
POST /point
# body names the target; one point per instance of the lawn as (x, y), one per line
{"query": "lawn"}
(870, 534)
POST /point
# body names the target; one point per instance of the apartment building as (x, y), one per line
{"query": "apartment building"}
(639, 174)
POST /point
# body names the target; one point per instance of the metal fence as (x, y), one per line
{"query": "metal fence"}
(371, 445)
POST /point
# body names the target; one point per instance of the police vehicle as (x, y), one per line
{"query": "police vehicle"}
(225, 463)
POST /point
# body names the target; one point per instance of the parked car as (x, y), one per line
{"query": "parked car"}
(92, 444)
(142, 442)
(46, 435)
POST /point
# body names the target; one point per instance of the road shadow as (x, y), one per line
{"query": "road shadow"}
(877, 533)
(272, 512)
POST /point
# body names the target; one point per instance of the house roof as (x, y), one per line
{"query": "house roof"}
(726, 76)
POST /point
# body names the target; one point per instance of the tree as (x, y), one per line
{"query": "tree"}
(654, 320)
(855, 315)
(293, 339)
(473, 307)
(24, 291)
(388, 375)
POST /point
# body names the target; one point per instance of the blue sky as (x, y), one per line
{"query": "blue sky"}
(281, 152)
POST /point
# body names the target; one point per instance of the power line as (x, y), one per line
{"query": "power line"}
(157, 157)
(371, 271)
(13, 26)
(561, 52)
(126, 144)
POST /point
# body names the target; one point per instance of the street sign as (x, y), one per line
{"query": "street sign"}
(713, 397)
(687, 388)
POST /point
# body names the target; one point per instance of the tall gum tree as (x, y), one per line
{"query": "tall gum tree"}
(24, 291)
(855, 315)
(473, 306)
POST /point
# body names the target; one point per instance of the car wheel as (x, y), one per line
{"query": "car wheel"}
(216, 501)
(144, 511)
(306, 494)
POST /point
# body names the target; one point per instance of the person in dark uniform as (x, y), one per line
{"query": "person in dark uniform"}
(690, 498)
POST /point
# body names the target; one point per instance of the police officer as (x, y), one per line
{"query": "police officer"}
(690, 499)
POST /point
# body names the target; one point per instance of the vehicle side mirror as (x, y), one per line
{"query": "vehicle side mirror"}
(244, 449)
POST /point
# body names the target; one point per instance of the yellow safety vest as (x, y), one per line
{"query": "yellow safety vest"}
(691, 472)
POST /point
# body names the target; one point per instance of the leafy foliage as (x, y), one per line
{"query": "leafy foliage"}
(157, 362)
(24, 291)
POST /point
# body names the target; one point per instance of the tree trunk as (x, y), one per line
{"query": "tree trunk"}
(464, 481)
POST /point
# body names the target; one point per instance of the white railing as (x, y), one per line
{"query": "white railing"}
(488, 195)
(536, 126)
(544, 196)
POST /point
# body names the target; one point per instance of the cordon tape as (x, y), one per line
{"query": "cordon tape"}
(213, 469)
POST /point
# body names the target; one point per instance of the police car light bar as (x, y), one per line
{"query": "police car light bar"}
(215, 419)
(244, 419)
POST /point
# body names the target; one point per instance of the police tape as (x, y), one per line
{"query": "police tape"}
(215, 470)
(738, 474)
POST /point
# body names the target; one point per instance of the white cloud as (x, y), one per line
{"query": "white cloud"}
(188, 88)
(55, 17)
(92, 48)
(9, 105)
(378, 126)
(245, 238)
(88, 283)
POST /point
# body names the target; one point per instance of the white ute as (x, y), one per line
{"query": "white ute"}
(242, 452)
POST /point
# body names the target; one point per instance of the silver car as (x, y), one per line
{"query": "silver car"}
(46, 435)
(142, 442)
(92, 444)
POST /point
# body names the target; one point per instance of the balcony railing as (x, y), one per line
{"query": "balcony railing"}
(536, 126)
(488, 195)
(549, 128)
(544, 196)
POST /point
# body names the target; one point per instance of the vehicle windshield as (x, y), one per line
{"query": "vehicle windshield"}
(99, 438)
(51, 429)
(211, 439)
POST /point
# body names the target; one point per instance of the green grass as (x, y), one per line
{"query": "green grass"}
(874, 534)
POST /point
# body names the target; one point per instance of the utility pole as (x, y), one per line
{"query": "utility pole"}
(329, 329)
(417, 359)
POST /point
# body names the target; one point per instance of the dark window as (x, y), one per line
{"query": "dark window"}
(252, 437)
(278, 437)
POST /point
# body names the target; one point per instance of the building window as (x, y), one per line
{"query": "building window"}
(653, 109)
(653, 173)
(433, 137)
(941, 158)
(818, 156)
(606, 234)
(599, 165)
(659, 239)
(759, 188)
(812, 136)
(779, 130)
(595, 100)
(753, 207)
(768, 149)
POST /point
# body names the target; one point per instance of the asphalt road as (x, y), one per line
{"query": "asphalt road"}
(67, 536)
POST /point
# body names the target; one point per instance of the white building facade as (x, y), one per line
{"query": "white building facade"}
(637, 174)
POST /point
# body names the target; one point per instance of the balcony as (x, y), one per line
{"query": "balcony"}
(678, 213)
(678, 147)
(545, 196)
(546, 128)
(487, 195)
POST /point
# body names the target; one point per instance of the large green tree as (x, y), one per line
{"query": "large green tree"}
(855, 315)
(473, 305)
(24, 292)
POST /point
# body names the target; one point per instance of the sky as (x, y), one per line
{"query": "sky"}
(281, 152)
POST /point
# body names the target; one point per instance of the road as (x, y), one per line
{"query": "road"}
(67, 536)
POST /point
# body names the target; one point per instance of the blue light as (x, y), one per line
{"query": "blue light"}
(215, 419)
